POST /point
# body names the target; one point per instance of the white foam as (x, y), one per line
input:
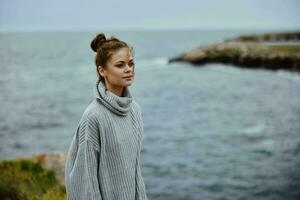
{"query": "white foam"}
(255, 130)
(293, 76)
(158, 62)
(225, 68)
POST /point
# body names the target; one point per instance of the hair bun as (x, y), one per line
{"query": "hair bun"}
(98, 41)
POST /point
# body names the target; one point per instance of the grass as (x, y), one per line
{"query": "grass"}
(25, 179)
(290, 49)
(255, 49)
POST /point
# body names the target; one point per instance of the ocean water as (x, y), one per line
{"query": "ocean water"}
(210, 132)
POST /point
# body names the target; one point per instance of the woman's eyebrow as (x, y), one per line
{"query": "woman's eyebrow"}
(124, 61)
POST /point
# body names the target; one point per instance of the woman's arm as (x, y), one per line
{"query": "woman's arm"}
(140, 189)
(82, 168)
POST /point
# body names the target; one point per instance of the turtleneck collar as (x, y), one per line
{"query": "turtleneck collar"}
(118, 105)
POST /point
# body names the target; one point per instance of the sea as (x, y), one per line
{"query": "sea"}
(213, 132)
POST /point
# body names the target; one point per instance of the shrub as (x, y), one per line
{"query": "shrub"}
(24, 179)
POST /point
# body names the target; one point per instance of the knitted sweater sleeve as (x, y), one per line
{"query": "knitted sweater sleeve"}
(82, 162)
(141, 189)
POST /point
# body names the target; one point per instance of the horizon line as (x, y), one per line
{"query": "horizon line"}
(149, 29)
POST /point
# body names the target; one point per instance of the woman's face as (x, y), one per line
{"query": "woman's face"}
(119, 66)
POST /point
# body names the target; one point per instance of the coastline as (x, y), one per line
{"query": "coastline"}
(248, 52)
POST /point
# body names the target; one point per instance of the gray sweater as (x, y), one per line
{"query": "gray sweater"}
(103, 161)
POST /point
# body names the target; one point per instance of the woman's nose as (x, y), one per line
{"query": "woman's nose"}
(128, 68)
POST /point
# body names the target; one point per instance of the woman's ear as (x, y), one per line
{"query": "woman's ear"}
(101, 70)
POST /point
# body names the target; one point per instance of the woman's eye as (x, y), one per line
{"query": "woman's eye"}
(121, 65)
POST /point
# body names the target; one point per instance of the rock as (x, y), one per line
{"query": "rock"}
(54, 161)
(245, 54)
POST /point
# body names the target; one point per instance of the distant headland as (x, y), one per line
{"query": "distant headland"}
(272, 51)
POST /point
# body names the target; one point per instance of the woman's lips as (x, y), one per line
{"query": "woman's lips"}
(127, 77)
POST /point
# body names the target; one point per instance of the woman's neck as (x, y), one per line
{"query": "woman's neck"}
(116, 90)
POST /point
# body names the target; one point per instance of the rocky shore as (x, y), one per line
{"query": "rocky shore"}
(242, 52)
(54, 162)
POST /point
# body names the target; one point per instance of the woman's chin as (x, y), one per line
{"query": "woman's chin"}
(128, 82)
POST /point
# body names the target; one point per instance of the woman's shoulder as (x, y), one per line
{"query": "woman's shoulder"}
(136, 106)
(92, 112)
(89, 127)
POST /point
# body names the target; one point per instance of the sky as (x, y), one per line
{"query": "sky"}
(89, 15)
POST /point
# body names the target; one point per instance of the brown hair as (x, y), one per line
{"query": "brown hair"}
(104, 48)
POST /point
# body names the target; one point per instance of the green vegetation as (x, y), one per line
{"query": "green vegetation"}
(25, 179)
(288, 49)
(250, 48)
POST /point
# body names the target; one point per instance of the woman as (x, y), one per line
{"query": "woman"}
(103, 159)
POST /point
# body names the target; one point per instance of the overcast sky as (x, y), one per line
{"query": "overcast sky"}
(75, 15)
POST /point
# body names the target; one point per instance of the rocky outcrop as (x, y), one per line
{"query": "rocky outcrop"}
(55, 162)
(288, 36)
(245, 54)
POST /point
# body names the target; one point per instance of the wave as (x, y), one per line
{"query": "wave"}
(292, 76)
(224, 68)
(154, 62)
(255, 130)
